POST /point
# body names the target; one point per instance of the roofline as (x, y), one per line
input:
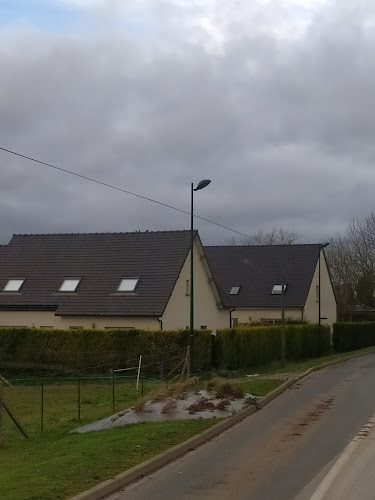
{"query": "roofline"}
(265, 246)
(101, 233)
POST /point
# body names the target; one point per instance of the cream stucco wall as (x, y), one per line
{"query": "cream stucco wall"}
(47, 319)
(327, 297)
(246, 316)
(206, 310)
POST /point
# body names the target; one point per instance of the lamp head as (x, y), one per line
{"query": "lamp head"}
(202, 184)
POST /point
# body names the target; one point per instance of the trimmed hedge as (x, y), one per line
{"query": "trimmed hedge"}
(95, 348)
(351, 336)
(250, 347)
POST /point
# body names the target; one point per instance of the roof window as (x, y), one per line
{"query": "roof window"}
(235, 290)
(276, 290)
(69, 285)
(13, 285)
(128, 284)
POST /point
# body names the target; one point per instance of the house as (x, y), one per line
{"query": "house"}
(141, 280)
(110, 280)
(250, 278)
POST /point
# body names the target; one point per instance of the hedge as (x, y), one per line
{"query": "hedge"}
(251, 347)
(96, 348)
(351, 336)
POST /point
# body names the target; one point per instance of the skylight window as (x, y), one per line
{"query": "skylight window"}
(235, 290)
(13, 285)
(127, 284)
(277, 289)
(69, 285)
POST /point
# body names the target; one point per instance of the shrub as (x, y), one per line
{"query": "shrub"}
(94, 348)
(352, 336)
(243, 348)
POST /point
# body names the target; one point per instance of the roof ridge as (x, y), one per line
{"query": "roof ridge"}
(264, 246)
(104, 233)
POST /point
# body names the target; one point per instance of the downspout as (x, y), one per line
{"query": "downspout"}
(161, 323)
(230, 317)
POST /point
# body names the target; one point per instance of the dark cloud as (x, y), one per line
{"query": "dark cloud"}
(283, 126)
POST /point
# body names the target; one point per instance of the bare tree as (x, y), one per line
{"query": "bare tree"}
(351, 260)
(277, 236)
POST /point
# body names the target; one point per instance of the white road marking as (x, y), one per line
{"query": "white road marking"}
(341, 461)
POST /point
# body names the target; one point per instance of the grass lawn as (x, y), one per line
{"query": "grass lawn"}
(59, 465)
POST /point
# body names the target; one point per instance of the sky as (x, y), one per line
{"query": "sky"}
(270, 99)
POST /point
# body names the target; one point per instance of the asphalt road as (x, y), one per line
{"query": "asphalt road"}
(282, 452)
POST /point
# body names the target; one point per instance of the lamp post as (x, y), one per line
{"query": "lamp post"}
(201, 185)
(321, 246)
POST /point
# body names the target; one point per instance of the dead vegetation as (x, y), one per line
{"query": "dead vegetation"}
(177, 390)
(202, 404)
(169, 406)
(224, 389)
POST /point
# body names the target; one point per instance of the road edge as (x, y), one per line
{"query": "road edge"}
(139, 471)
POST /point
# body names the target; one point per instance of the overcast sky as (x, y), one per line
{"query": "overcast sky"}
(273, 100)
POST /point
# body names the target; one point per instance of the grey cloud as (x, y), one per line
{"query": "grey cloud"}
(283, 128)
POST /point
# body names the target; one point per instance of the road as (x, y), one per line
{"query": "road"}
(286, 451)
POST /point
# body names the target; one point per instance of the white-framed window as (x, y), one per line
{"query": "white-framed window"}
(235, 290)
(277, 288)
(69, 285)
(14, 285)
(128, 284)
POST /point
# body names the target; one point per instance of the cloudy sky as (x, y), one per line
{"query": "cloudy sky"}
(273, 100)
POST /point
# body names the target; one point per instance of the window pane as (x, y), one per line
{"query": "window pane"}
(235, 290)
(69, 285)
(276, 290)
(13, 285)
(128, 284)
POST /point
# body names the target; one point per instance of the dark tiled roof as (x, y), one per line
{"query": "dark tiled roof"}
(101, 260)
(257, 268)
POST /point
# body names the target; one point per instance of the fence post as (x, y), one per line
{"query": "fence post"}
(42, 404)
(79, 395)
(1, 412)
(113, 389)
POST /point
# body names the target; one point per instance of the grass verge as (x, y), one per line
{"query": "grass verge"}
(58, 466)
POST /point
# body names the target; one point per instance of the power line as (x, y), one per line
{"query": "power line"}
(119, 189)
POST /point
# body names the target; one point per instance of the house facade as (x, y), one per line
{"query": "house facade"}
(103, 281)
(250, 279)
(142, 280)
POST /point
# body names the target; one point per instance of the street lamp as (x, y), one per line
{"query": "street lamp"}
(321, 246)
(201, 185)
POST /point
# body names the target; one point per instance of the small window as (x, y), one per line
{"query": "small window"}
(69, 285)
(76, 328)
(127, 284)
(204, 327)
(235, 290)
(46, 327)
(276, 290)
(234, 322)
(13, 285)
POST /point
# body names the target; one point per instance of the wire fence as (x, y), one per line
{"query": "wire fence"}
(45, 398)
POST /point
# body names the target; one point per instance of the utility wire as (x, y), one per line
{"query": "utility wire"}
(119, 189)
